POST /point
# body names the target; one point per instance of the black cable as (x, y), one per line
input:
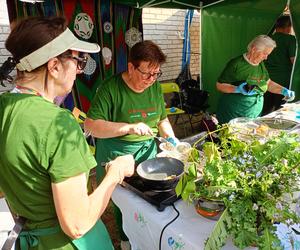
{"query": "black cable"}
(162, 231)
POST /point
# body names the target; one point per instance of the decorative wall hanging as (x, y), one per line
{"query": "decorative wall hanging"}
(107, 26)
(133, 36)
(107, 54)
(83, 25)
(91, 66)
(86, 19)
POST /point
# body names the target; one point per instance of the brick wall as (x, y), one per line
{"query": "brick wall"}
(165, 27)
(4, 31)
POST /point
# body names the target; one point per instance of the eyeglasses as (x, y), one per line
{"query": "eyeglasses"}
(146, 76)
(81, 60)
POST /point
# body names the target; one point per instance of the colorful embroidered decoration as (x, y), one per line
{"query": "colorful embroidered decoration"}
(107, 26)
(175, 244)
(139, 218)
(133, 36)
(90, 66)
(107, 54)
(83, 25)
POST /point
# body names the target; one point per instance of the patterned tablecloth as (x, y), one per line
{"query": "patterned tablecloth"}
(143, 224)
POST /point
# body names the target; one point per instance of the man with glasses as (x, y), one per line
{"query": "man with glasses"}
(128, 110)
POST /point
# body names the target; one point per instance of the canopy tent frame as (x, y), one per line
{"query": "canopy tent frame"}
(154, 3)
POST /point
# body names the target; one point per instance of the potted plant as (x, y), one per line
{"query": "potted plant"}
(254, 179)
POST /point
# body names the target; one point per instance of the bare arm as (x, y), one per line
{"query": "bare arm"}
(165, 129)
(106, 129)
(225, 87)
(274, 87)
(76, 210)
(292, 59)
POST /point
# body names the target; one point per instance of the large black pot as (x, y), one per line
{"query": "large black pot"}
(153, 172)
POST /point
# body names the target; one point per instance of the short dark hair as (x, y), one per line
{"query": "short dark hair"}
(283, 22)
(146, 51)
(33, 33)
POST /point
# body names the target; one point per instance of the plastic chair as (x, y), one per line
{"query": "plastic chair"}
(172, 87)
(80, 117)
(195, 103)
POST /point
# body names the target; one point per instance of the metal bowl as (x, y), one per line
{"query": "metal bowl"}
(211, 209)
(161, 173)
(277, 123)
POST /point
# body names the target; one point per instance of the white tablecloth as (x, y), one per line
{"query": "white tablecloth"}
(6, 221)
(289, 111)
(143, 224)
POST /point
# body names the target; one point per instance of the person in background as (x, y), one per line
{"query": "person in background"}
(128, 110)
(45, 160)
(244, 81)
(280, 62)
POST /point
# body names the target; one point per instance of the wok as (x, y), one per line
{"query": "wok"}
(161, 173)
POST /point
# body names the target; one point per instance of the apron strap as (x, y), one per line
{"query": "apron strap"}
(14, 233)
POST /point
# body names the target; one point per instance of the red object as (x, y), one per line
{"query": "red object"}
(205, 212)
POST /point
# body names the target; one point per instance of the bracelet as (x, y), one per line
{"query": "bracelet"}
(108, 165)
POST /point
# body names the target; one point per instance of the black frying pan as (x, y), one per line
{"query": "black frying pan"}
(161, 173)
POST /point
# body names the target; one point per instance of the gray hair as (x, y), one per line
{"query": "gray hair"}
(262, 42)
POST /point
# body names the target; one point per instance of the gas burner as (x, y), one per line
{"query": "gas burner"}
(159, 198)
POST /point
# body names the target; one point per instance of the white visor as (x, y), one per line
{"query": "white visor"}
(65, 41)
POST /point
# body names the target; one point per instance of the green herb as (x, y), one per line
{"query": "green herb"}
(253, 180)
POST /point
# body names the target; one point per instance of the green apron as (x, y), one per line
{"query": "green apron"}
(109, 149)
(237, 105)
(96, 238)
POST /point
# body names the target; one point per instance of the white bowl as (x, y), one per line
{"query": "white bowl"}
(167, 146)
(183, 147)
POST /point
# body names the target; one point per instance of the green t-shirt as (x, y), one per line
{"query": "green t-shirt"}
(233, 105)
(278, 63)
(114, 101)
(40, 144)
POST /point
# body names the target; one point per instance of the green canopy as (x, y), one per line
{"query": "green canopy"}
(227, 28)
(175, 4)
(295, 14)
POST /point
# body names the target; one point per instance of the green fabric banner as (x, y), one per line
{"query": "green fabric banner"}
(295, 14)
(227, 28)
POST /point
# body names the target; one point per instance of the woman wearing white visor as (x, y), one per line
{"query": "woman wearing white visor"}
(45, 159)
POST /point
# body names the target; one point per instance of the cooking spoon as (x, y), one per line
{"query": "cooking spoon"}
(161, 139)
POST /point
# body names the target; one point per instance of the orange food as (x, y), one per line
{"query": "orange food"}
(205, 212)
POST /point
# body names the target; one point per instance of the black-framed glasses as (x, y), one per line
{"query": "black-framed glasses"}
(81, 60)
(146, 76)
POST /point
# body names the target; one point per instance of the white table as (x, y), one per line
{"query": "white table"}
(6, 221)
(143, 224)
(289, 111)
